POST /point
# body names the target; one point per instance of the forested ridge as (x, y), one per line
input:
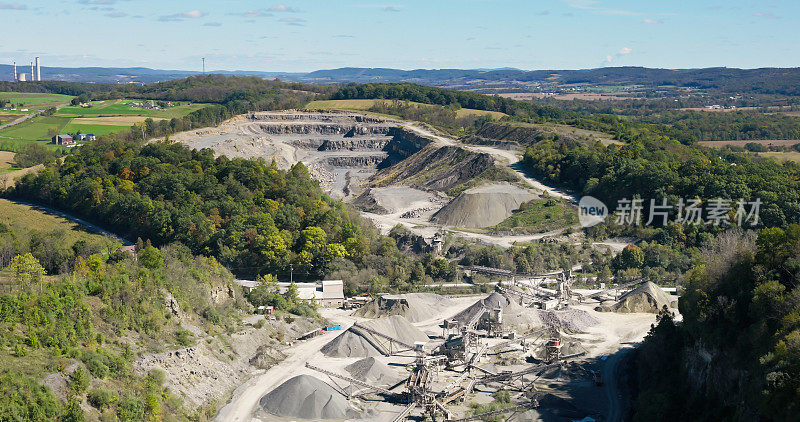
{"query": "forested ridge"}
(657, 168)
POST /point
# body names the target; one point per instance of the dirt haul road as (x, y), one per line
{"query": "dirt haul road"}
(246, 397)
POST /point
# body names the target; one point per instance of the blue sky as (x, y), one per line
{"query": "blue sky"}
(297, 36)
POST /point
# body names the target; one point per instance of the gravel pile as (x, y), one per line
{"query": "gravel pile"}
(569, 320)
(307, 397)
(415, 307)
(483, 206)
(515, 316)
(373, 371)
(359, 343)
(647, 298)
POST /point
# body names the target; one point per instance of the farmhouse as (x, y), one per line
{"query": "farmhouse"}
(62, 140)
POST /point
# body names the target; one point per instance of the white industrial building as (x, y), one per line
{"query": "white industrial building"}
(325, 293)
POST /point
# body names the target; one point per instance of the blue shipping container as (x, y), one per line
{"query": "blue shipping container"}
(333, 327)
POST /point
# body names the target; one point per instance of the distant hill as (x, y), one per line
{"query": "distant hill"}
(123, 75)
(783, 81)
(767, 80)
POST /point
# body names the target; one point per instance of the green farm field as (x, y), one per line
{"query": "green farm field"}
(117, 108)
(103, 118)
(98, 130)
(35, 99)
(34, 129)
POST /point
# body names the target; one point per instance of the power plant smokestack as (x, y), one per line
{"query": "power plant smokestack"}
(16, 78)
(38, 70)
(33, 75)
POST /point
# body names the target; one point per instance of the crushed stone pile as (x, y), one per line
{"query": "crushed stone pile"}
(647, 298)
(415, 307)
(307, 397)
(483, 206)
(359, 343)
(569, 320)
(373, 371)
(515, 316)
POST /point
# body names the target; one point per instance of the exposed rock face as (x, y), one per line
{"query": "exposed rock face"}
(354, 145)
(339, 149)
(436, 168)
(307, 128)
(359, 161)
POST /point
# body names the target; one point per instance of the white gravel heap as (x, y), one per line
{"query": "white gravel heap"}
(569, 320)
(373, 371)
(647, 298)
(307, 397)
(515, 316)
(358, 343)
(483, 206)
(416, 307)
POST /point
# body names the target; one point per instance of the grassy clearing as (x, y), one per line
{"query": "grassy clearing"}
(117, 108)
(364, 105)
(18, 215)
(7, 162)
(782, 156)
(541, 215)
(463, 112)
(35, 99)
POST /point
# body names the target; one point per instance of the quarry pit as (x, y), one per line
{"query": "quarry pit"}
(394, 171)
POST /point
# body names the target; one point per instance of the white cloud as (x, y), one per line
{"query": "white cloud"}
(256, 14)
(625, 51)
(192, 14)
(293, 21)
(653, 21)
(766, 15)
(282, 8)
(593, 6)
(116, 14)
(13, 6)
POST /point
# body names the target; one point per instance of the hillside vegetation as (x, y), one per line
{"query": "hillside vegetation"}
(736, 356)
